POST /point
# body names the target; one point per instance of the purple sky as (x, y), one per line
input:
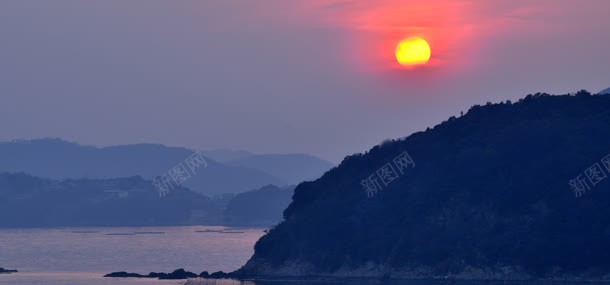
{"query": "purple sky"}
(275, 76)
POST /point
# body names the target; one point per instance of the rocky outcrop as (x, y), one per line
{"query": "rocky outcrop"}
(6, 271)
(508, 191)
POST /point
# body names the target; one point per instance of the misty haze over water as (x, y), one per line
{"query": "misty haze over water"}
(81, 256)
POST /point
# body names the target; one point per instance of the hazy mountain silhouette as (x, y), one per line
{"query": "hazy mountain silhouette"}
(258, 208)
(58, 159)
(488, 197)
(292, 168)
(27, 201)
(604, 92)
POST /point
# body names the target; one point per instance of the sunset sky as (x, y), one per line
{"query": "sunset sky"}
(276, 76)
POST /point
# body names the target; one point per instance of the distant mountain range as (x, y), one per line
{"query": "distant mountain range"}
(506, 191)
(225, 155)
(292, 168)
(58, 159)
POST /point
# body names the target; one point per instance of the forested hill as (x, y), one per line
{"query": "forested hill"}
(28, 201)
(485, 195)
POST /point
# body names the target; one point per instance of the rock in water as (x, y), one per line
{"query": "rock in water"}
(2, 270)
(176, 274)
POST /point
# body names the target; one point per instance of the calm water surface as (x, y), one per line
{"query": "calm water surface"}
(80, 256)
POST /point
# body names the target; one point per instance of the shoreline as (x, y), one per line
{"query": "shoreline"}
(181, 274)
(398, 279)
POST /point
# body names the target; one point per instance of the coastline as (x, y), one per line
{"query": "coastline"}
(391, 280)
(371, 272)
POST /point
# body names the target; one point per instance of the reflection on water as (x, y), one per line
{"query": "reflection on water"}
(379, 282)
(218, 282)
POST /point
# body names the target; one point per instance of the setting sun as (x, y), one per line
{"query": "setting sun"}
(413, 51)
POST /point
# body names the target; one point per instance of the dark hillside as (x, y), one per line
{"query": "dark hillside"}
(488, 197)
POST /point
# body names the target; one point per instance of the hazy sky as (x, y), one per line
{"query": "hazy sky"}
(314, 76)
